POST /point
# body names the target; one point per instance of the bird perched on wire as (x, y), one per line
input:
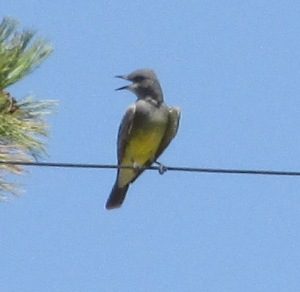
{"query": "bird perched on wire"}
(146, 130)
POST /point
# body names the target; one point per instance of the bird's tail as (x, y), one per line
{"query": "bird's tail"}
(116, 196)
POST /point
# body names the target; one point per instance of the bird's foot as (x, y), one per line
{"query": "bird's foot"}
(161, 168)
(136, 166)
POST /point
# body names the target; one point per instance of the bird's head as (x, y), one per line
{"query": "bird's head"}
(144, 84)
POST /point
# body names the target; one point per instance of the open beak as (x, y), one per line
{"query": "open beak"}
(125, 78)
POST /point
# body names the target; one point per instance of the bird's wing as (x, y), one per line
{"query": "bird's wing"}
(124, 131)
(171, 130)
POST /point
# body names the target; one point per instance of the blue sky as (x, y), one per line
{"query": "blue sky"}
(233, 68)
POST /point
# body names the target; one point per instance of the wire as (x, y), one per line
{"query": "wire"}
(161, 168)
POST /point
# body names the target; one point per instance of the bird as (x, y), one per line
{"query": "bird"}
(146, 130)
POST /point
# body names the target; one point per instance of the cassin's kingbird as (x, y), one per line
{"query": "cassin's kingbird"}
(147, 128)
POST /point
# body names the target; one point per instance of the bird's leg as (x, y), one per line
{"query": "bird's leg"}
(161, 168)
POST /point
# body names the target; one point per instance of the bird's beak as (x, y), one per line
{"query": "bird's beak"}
(121, 77)
(123, 87)
(125, 78)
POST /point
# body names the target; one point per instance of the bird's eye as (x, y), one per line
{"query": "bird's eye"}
(139, 79)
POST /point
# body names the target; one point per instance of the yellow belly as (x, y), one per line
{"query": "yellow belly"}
(140, 149)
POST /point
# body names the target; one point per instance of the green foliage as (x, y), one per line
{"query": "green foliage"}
(20, 53)
(22, 123)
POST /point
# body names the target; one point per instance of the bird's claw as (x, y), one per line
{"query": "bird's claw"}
(161, 168)
(136, 166)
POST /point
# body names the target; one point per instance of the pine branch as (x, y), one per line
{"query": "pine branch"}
(23, 127)
(20, 52)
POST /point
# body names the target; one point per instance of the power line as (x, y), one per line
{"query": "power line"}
(160, 168)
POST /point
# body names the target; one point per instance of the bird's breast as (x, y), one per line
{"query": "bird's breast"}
(145, 137)
(147, 132)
